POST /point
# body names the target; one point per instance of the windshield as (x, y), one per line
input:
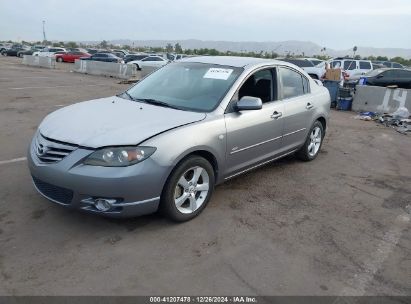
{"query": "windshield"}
(187, 86)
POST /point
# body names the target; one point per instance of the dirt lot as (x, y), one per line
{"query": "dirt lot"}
(337, 226)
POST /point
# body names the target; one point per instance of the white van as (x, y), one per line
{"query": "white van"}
(353, 68)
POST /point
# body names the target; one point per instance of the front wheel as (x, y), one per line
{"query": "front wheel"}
(188, 189)
(59, 59)
(312, 145)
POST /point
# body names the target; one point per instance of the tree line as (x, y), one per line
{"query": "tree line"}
(169, 48)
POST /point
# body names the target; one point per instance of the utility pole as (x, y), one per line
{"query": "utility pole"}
(44, 31)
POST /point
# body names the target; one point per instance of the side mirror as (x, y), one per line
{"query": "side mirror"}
(249, 103)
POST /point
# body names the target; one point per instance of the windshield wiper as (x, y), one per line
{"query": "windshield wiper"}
(157, 103)
(128, 95)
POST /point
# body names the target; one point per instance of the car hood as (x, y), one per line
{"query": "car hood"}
(112, 121)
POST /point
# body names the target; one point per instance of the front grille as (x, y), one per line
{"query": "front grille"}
(58, 194)
(50, 150)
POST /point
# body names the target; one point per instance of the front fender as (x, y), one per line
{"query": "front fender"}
(174, 145)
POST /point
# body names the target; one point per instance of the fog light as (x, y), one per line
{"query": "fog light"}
(102, 204)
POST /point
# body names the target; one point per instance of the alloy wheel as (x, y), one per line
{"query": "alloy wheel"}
(191, 190)
(315, 141)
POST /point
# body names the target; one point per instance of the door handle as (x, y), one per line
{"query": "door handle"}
(309, 106)
(276, 115)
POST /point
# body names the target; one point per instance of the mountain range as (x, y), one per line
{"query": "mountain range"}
(281, 47)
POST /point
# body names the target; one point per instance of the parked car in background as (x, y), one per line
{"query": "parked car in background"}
(376, 66)
(150, 61)
(134, 57)
(77, 50)
(388, 77)
(169, 139)
(105, 57)
(15, 50)
(174, 57)
(120, 53)
(5, 46)
(314, 71)
(352, 68)
(71, 56)
(315, 61)
(49, 51)
(92, 51)
(30, 51)
(390, 64)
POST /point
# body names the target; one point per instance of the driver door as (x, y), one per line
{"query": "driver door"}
(254, 136)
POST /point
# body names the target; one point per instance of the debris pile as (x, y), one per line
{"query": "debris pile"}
(400, 119)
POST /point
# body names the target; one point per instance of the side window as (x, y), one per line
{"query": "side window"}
(365, 65)
(404, 74)
(306, 84)
(260, 84)
(389, 74)
(397, 65)
(336, 64)
(349, 65)
(292, 83)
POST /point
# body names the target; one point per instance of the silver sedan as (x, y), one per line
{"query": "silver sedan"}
(168, 140)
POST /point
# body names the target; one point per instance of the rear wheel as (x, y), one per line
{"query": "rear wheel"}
(59, 59)
(188, 189)
(20, 55)
(312, 145)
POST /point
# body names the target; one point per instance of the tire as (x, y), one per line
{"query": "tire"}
(20, 55)
(59, 59)
(188, 189)
(308, 152)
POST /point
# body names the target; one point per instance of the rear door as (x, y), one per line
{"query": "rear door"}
(404, 79)
(254, 136)
(69, 57)
(299, 107)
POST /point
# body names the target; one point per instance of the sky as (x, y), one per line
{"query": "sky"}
(334, 24)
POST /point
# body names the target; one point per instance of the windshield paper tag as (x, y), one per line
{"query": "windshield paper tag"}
(215, 73)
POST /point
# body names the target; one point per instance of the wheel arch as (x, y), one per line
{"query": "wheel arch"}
(323, 121)
(206, 154)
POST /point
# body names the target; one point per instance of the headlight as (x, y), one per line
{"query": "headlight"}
(119, 156)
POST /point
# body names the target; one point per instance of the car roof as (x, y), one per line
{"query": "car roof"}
(231, 60)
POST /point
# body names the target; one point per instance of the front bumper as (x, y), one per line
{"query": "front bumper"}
(134, 190)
